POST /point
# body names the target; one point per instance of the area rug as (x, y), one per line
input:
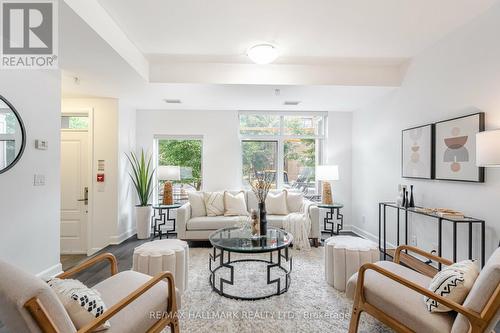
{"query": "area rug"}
(310, 304)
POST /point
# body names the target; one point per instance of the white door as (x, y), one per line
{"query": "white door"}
(74, 191)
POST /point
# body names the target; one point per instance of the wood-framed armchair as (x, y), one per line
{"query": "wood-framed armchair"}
(394, 294)
(135, 302)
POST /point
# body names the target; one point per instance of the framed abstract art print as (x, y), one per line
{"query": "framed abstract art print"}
(455, 148)
(417, 152)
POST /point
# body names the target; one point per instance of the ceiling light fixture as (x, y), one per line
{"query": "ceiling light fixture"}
(262, 54)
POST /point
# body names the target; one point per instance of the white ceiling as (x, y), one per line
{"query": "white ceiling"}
(300, 28)
(102, 72)
(313, 35)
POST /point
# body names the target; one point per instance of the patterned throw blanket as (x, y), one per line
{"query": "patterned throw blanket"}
(299, 225)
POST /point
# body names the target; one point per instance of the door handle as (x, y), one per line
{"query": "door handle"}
(85, 196)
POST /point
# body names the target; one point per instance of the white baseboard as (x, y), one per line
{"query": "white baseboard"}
(115, 240)
(93, 251)
(50, 272)
(368, 235)
(73, 252)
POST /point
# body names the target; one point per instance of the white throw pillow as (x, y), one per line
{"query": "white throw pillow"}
(197, 204)
(295, 201)
(235, 205)
(214, 203)
(454, 283)
(276, 203)
(83, 304)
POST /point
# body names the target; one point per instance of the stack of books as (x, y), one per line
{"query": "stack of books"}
(443, 212)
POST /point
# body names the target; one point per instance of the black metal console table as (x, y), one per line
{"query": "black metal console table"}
(382, 209)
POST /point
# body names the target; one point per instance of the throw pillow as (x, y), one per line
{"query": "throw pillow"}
(235, 205)
(83, 304)
(276, 203)
(197, 204)
(453, 282)
(214, 203)
(295, 201)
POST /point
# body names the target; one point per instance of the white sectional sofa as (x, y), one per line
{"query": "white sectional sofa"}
(200, 228)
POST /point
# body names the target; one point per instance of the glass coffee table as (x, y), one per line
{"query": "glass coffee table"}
(253, 251)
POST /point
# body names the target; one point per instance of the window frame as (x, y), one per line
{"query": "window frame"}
(261, 140)
(156, 139)
(282, 137)
(76, 114)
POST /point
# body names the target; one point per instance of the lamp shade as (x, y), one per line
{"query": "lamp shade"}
(327, 172)
(488, 149)
(169, 172)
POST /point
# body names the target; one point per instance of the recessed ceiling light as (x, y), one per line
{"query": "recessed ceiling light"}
(262, 54)
(291, 102)
(173, 101)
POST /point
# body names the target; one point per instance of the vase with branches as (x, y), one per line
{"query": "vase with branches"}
(142, 178)
(261, 182)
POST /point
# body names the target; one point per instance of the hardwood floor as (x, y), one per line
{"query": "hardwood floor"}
(124, 255)
(70, 260)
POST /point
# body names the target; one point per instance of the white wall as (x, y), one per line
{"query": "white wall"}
(458, 75)
(339, 152)
(222, 167)
(221, 164)
(126, 192)
(105, 136)
(29, 215)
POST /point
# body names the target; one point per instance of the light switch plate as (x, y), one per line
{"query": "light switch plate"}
(39, 180)
(41, 144)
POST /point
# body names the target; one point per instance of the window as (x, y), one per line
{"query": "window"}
(290, 145)
(259, 156)
(186, 153)
(259, 124)
(75, 122)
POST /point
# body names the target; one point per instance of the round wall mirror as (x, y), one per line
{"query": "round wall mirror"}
(12, 135)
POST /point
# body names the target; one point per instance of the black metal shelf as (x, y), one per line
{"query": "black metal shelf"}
(382, 210)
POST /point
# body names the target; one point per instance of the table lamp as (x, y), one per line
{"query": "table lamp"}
(168, 173)
(488, 149)
(327, 173)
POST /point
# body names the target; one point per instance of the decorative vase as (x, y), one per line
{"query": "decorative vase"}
(143, 221)
(407, 202)
(254, 217)
(262, 218)
(400, 197)
(412, 201)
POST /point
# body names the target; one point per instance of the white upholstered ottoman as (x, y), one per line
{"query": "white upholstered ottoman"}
(344, 255)
(164, 255)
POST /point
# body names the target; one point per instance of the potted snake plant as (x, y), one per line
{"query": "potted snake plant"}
(142, 178)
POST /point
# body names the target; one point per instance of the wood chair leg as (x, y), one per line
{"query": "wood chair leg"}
(356, 314)
(174, 326)
(315, 242)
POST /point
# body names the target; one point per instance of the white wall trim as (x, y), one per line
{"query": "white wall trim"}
(365, 234)
(50, 272)
(93, 251)
(115, 240)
